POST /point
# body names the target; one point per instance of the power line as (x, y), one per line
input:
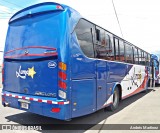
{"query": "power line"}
(13, 4)
(9, 7)
(117, 18)
(4, 18)
(5, 13)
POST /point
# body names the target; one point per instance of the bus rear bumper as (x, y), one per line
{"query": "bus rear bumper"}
(51, 107)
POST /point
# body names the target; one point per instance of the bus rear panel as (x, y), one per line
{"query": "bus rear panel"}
(35, 65)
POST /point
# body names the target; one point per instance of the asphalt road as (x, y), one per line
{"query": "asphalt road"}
(143, 108)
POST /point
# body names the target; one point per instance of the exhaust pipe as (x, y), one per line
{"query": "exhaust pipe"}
(5, 104)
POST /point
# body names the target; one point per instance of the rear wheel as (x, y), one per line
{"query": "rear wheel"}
(115, 103)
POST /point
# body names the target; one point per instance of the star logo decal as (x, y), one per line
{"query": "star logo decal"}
(31, 72)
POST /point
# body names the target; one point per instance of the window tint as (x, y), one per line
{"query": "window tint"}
(100, 44)
(97, 34)
(140, 57)
(135, 55)
(143, 59)
(109, 47)
(116, 46)
(121, 51)
(147, 59)
(103, 47)
(129, 53)
(84, 36)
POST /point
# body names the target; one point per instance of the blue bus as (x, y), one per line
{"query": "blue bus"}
(155, 64)
(59, 64)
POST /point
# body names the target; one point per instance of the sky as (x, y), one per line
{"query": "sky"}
(139, 19)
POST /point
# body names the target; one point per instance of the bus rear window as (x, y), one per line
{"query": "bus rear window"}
(36, 31)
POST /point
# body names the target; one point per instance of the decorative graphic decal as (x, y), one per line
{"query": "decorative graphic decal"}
(23, 73)
(133, 78)
(136, 77)
(139, 76)
(52, 64)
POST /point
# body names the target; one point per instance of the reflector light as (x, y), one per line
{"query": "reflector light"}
(3, 99)
(62, 66)
(62, 94)
(62, 75)
(62, 85)
(55, 110)
(2, 73)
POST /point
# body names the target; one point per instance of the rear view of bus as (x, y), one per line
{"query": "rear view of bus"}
(35, 63)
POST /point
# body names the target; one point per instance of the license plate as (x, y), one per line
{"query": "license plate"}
(24, 105)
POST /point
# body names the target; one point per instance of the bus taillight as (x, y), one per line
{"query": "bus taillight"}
(62, 85)
(62, 75)
(62, 82)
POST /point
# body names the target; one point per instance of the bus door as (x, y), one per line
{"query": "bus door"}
(100, 48)
(101, 84)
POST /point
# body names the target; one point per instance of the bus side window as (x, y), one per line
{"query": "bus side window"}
(100, 46)
(136, 55)
(116, 48)
(121, 51)
(109, 51)
(98, 35)
(143, 58)
(128, 53)
(147, 59)
(85, 38)
(140, 56)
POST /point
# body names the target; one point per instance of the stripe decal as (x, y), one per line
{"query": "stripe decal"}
(26, 55)
(35, 99)
(42, 47)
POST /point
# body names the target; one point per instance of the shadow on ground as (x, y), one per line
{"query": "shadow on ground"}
(89, 120)
(157, 85)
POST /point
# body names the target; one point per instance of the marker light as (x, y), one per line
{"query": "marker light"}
(59, 7)
(62, 85)
(62, 66)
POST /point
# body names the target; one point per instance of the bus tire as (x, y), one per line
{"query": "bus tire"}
(116, 100)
